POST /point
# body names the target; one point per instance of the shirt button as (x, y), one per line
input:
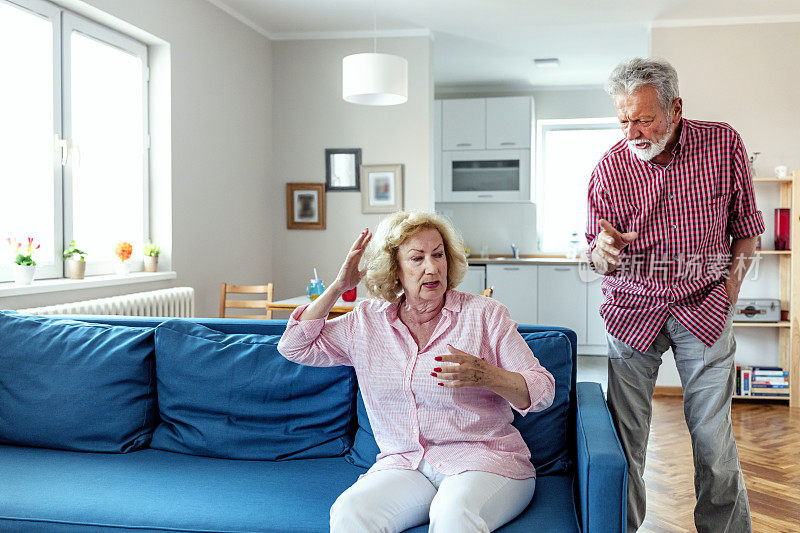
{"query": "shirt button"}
(674, 226)
(671, 196)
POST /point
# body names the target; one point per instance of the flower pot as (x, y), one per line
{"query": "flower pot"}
(151, 263)
(123, 268)
(23, 274)
(76, 269)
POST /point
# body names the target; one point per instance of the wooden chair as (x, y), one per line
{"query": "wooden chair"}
(488, 292)
(226, 303)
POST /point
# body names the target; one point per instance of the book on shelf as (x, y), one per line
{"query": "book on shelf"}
(761, 381)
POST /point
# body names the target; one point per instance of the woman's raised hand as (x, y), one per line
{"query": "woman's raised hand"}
(349, 275)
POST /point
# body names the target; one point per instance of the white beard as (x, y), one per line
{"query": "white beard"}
(652, 150)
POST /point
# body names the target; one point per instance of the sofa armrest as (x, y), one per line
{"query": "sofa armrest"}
(602, 470)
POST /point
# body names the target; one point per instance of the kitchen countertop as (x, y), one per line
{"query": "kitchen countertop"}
(524, 260)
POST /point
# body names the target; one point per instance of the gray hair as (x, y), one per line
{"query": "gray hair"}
(638, 72)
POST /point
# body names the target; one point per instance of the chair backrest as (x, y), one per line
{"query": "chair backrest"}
(227, 303)
(488, 292)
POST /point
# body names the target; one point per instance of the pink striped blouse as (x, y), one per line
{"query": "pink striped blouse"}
(453, 429)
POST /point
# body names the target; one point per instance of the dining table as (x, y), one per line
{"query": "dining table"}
(290, 304)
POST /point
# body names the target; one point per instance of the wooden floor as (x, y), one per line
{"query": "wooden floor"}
(768, 437)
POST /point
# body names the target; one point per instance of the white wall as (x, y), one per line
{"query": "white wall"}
(221, 147)
(747, 76)
(309, 115)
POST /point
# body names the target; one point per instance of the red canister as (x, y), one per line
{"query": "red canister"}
(349, 296)
(782, 220)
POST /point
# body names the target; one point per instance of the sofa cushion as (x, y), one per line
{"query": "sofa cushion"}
(75, 386)
(234, 396)
(545, 432)
(154, 490)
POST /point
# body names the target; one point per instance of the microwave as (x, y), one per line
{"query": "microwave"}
(486, 176)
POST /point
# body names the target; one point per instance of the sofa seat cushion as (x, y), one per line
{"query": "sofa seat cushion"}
(167, 491)
(75, 386)
(154, 490)
(234, 396)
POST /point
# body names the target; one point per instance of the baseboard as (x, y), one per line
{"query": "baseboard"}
(662, 391)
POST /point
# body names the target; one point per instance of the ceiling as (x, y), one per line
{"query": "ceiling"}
(493, 42)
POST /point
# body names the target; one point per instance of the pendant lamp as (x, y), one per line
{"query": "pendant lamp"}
(373, 78)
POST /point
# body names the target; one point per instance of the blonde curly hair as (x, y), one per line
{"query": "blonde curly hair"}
(382, 268)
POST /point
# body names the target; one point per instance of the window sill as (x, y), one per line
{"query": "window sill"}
(90, 282)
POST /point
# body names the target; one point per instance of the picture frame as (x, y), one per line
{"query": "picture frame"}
(305, 206)
(383, 188)
(342, 169)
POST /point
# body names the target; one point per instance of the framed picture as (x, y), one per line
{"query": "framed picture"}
(383, 188)
(342, 169)
(305, 206)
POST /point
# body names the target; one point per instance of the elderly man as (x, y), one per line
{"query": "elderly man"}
(672, 227)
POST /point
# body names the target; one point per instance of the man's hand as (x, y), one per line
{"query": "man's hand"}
(732, 288)
(610, 243)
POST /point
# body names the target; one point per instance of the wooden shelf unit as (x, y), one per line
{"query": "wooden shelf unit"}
(788, 331)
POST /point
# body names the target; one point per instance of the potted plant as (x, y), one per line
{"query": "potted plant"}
(24, 265)
(151, 252)
(76, 262)
(123, 251)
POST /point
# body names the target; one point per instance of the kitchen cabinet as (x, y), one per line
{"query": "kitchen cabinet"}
(437, 149)
(464, 124)
(486, 176)
(561, 298)
(595, 326)
(474, 281)
(508, 123)
(515, 286)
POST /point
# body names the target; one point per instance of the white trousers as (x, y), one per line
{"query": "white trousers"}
(394, 500)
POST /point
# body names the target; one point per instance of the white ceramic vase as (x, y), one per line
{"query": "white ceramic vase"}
(151, 263)
(23, 274)
(76, 269)
(123, 268)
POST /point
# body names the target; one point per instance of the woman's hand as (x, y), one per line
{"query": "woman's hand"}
(348, 277)
(349, 274)
(471, 371)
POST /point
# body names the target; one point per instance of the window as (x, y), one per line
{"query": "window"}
(567, 152)
(74, 136)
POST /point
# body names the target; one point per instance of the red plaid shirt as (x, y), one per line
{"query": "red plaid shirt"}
(685, 214)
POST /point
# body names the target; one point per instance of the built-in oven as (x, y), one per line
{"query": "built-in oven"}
(486, 176)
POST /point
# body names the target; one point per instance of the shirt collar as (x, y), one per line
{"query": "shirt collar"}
(681, 138)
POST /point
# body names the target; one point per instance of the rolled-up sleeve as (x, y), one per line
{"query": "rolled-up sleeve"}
(744, 218)
(317, 342)
(512, 353)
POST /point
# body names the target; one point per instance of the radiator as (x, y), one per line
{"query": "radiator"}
(174, 302)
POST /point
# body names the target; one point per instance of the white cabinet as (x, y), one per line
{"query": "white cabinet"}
(464, 124)
(562, 298)
(437, 149)
(595, 326)
(508, 123)
(474, 281)
(515, 286)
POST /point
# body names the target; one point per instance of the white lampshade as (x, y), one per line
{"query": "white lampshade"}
(375, 79)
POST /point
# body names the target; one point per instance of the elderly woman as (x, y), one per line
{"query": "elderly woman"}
(448, 451)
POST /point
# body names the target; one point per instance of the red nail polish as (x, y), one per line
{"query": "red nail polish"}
(441, 384)
(437, 369)
(437, 358)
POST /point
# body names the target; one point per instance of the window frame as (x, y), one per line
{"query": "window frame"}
(92, 30)
(544, 126)
(64, 22)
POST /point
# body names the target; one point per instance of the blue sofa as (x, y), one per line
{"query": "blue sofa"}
(148, 424)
